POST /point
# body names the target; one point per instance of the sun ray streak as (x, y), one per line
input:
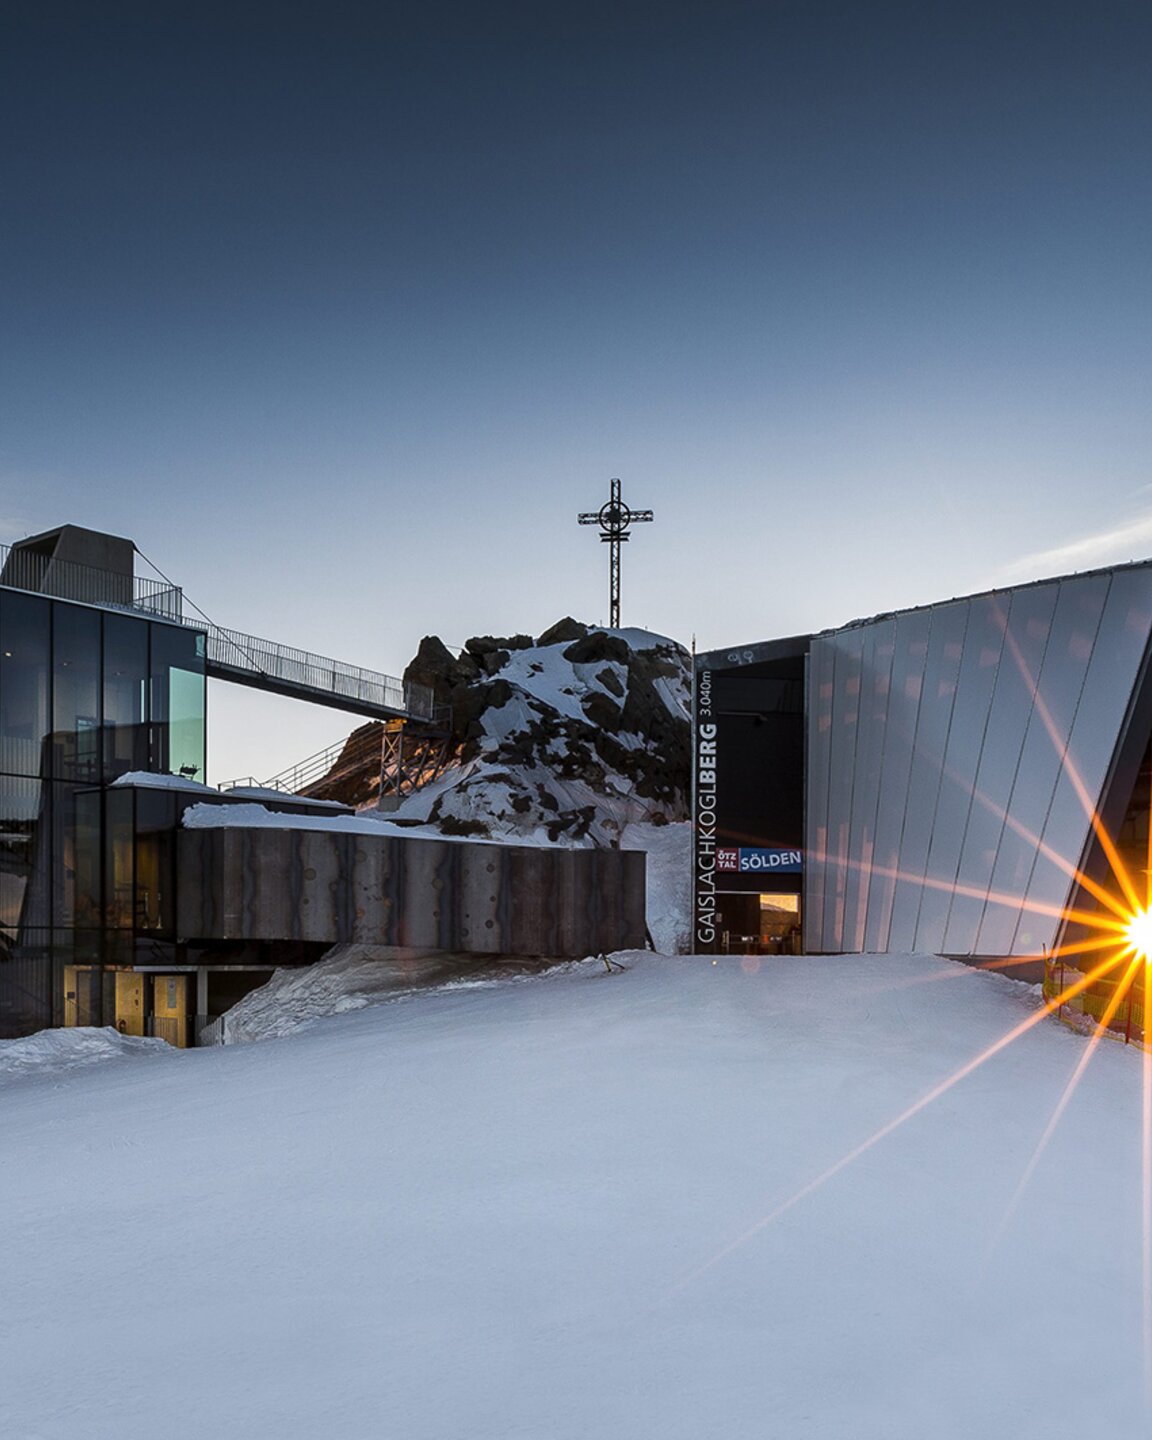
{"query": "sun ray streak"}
(1056, 735)
(998, 897)
(1048, 1008)
(1146, 1193)
(1123, 989)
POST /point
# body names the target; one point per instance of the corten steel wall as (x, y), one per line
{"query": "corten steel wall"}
(954, 755)
(241, 883)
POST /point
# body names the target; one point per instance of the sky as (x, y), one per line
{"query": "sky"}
(343, 312)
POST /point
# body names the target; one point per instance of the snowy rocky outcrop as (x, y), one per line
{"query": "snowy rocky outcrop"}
(571, 737)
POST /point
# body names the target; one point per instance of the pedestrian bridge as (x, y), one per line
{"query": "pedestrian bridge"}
(46, 565)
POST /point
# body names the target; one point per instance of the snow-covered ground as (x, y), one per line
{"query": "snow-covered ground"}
(515, 1212)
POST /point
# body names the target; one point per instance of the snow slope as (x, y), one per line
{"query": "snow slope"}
(513, 1212)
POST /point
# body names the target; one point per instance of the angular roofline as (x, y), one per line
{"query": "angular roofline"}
(723, 658)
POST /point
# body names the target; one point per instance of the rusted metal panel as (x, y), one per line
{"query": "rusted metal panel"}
(241, 883)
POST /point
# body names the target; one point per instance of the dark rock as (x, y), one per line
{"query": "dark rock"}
(452, 825)
(434, 665)
(611, 681)
(597, 646)
(566, 629)
(486, 644)
(601, 711)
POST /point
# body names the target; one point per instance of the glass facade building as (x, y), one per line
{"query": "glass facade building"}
(957, 757)
(88, 693)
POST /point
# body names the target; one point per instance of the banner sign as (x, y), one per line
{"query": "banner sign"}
(758, 859)
(704, 763)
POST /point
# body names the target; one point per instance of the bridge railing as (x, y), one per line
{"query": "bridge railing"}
(69, 580)
(23, 569)
(235, 651)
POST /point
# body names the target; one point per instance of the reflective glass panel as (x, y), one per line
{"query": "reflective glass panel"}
(178, 701)
(76, 693)
(24, 682)
(89, 900)
(125, 695)
(22, 902)
(118, 867)
(155, 861)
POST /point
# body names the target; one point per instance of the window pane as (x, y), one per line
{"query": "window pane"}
(118, 869)
(65, 857)
(24, 687)
(89, 901)
(23, 884)
(125, 695)
(178, 700)
(155, 861)
(76, 693)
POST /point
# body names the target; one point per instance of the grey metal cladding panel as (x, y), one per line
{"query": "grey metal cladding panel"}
(371, 891)
(634, 901)
(875, 681)
(1028, 625)
(983, 645)
(930, 684)
(480, 882)
(529, 928)
(821, 662)
(849, 647)
(422, 893)
(910, 648)
(322, 875)
(197, 896)
(1058, 689)
(1112, 672)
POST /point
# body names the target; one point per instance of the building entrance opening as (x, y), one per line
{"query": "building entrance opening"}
(759, 924)
(170, 1009)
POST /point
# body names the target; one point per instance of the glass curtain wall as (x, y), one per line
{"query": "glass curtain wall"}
(85, 697)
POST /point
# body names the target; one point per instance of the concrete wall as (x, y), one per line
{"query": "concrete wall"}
(254, 883)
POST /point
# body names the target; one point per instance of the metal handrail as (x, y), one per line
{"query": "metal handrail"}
(22, 569)
(304, 772)
(252, 655)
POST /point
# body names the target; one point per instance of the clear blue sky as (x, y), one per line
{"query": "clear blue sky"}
(342, 311)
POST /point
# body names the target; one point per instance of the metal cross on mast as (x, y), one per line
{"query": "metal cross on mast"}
(614, 519)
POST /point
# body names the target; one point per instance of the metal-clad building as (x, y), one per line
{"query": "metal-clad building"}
(955, 757)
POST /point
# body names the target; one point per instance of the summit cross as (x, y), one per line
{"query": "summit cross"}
(614, 518)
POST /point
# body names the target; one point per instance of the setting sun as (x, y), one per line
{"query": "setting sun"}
(1139, 933)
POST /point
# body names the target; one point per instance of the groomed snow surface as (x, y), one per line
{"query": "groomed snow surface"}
(514, 1212)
